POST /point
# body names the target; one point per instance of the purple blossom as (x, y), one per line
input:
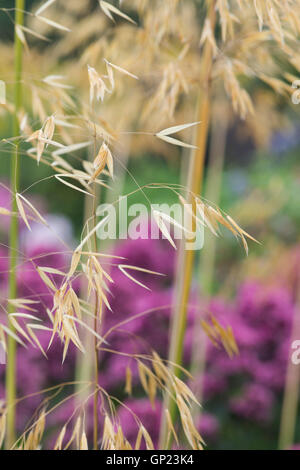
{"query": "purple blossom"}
(255, 403)
(208, 426)
(261, 319)
(140, 410)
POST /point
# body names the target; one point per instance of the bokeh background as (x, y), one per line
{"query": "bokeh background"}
(258, 295)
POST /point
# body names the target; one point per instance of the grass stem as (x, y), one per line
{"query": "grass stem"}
(213, 185)
(97, 315)
(290, 404)
(14, 227)
(186, 257)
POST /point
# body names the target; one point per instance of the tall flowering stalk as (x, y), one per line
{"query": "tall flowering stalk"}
(70, 315)
(290, 403)
(186, 257)
(233, 51)
(15, 176)
(97, 317)
(213, 185)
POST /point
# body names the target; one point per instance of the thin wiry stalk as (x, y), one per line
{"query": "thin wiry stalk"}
(212, 194)
(96, 372)
(291, 391)
(84, 370)
(186, 257)
(208, 256)
(97, 315)
(84, 362)
(15, 176)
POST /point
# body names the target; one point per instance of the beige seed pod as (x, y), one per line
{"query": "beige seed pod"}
(103, 158)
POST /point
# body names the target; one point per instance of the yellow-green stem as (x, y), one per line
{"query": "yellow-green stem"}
(212, 194)
(15, 173)
(96, 372)
(290, 404)
(85, 362)
(208, 255)
(97, 315)
(186, 257)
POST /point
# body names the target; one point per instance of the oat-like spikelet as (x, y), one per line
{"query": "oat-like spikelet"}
(103, 158)
(43, 136)
(257, 44)
(220, 335)
(34, 437)
(98, 87)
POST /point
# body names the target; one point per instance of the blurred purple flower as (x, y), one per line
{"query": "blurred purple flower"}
(148, 415)
(208, 426)
(255, 403)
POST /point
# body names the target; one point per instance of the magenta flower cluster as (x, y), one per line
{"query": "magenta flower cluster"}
(248, 384)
